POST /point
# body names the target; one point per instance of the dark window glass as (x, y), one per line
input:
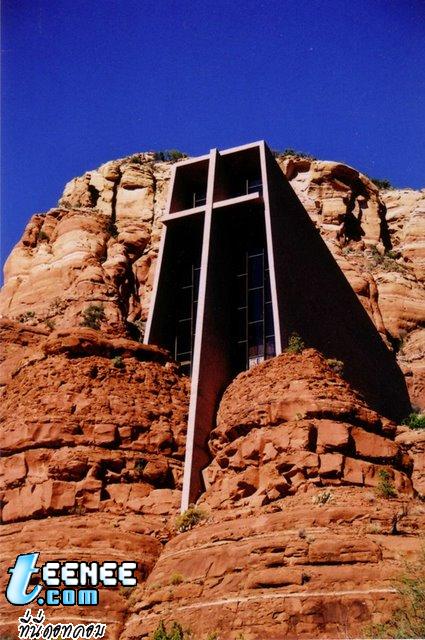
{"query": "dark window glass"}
(256, 339)
(184, 336)
(184, 303)
(254, 318)
(255, 271)
(255, 304)
(270, 347)
(254, 185)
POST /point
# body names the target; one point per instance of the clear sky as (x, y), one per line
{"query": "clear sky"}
(86, 81)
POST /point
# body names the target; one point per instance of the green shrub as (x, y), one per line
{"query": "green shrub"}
(382, 184)
(385, 487)
(93, 316)
(42, 236)
(136, 158)
(118, 363)
(24, 317)
(169, 155)
(295, 344)
(415, 421)
(189, 518)
(323, 497)
(407, 621)
(176, 578)
(386, 261)
(176, 632)
(50, 323)
(292, 152)
(336, 365)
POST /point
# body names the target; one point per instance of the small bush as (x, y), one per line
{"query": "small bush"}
(386, 261)
(93, 316)
(176, 578)
(42, 236)
(50, 323)
(385, 487)
(79, 510)
(126, 592)
(136, 158)
(415, 421)
(292, 152)
(295, 344)
(176, 632)
(118, 362)
(189, 518)
(25, 317)
(336, 365)
(382, 184)
(408, 621)
(323, 498)
(169, 155)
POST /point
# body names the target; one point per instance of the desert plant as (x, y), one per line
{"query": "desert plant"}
(136, 158)
(27, 315)
(118, 363)
(42, 236)
(169, 155)
(407, 621)
(79, 510)
(323, 497)
(336, 365)
(385, 487)
(386, 261)
(176, 578)
(189, 518)
(50, 323)
(382, 184)
(176, 632)
(93, 316)
(295, 344)
(415, 421)
(292, 152)
(126, 592)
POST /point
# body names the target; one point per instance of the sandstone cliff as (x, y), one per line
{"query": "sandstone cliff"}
(298, 540)
(99, 247)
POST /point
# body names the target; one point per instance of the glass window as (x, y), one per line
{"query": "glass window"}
(255, 304)
(255, 271)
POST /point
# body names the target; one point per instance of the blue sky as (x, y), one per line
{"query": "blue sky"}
(85, 81)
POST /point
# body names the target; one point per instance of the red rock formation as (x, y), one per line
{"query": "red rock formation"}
(92, 438)
(99, 247)
(296, 542)
(300, 537)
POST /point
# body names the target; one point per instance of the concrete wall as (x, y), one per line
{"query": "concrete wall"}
(317, 302)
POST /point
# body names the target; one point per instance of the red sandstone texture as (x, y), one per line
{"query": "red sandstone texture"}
(92, 439)
(100, 247)
(296, 542)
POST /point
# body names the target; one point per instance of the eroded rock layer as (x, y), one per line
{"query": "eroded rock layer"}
(99, 247)
(92, 438)
(310, 511)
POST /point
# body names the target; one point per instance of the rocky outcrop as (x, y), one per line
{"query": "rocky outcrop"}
(99, 248)
(309, 512)
(92, 438)
(312, 499)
